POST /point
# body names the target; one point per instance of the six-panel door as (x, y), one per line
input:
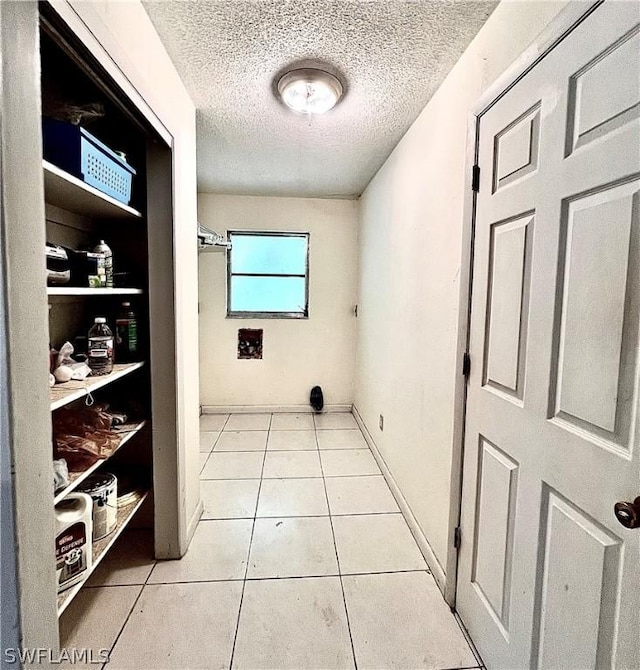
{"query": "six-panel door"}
(548, 578)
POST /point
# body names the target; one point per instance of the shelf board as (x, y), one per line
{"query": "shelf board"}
(80, 291)
(128, 430)
(102, 546)
(63, 394)
(70, 193)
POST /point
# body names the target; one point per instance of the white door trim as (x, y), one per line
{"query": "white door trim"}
(556, 31)
(78, 26)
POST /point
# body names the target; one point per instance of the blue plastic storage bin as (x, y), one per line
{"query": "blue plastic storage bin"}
(78, 152)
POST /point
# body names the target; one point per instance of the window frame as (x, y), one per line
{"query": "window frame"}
(267, 315)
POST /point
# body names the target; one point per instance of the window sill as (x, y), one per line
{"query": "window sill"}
(267, 315)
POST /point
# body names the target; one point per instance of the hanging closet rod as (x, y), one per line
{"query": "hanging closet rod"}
(209, 239)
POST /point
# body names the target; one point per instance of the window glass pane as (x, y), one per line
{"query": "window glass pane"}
(268, 254)
(268, 294)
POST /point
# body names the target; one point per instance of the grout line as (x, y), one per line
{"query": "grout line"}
(294, 516)
(343, 449)
(284, 451)
(335, 547)
(344, 574)
(126, 621)
(216, 441)
(378, 474)
(236, 479)
(239, 479)
(293, 430)
(228, 431)
(467, 637)
(350, 475)
(110, 586)
(329, 429)
(133, 606)
(230, 479)
(253, 527)
(245, 518)
(198, 581)
(204, 465)
(239, 451)
(269, 579)
(385, 572)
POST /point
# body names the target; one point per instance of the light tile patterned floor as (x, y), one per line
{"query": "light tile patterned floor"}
(301, 560)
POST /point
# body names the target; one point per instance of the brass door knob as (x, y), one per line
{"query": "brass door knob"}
(628, 514)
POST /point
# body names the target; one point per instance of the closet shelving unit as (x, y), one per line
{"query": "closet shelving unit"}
(77, 216)
(127, 431)
(63, 394)
(81, 291)
(56, 52)
(72, 194)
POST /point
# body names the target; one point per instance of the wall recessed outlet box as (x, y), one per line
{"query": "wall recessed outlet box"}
(381, 422)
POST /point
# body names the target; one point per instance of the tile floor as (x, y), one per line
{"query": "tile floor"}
(301, 560)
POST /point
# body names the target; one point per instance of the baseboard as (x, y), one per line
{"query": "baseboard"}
(275, 409)
(414, 527)
(193, 523)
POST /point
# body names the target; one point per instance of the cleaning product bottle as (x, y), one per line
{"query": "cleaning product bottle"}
(74, 531)
(100, 348)
(126, 334)
(103, 249)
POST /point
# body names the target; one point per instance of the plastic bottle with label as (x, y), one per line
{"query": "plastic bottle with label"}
(74, 529)
(100, 347)
(103, 248)
(126, 334)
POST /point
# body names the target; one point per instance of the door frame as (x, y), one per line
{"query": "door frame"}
(566, 21)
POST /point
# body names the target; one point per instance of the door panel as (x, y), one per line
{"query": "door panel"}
(516, 149)
(497, 494)
(508, 289)
(592, 313)
(547, 577)
(603, 94)
(586, 596)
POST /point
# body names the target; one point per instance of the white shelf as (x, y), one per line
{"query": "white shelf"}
(102, 546)
(128, 430)
(68, 192)
(63, 394)
(80, 291)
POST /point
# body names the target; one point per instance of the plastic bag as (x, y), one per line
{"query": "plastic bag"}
(83, 436)
(64, 355)
(79, 452)
(79, 371)
(60, 474)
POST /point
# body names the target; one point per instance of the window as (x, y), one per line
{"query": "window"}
(268, 275)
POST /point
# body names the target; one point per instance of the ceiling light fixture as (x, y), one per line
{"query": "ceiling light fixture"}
(309, 90)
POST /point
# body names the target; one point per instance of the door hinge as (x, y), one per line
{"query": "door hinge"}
(457, 538)
(466, 364)
(355, 311)
(475, 178)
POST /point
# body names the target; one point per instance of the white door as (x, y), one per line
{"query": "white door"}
(548, 577)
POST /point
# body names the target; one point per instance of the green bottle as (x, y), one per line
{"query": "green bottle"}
(126, 335)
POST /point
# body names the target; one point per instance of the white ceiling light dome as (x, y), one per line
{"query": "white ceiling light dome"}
(310, 90)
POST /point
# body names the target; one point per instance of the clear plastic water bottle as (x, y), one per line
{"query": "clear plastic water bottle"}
(100, 349)
(103, 248)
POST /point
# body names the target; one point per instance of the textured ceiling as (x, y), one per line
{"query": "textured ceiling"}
(390, 55)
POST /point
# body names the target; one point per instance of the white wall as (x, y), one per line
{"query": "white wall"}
(410, 251)
(298, 354)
